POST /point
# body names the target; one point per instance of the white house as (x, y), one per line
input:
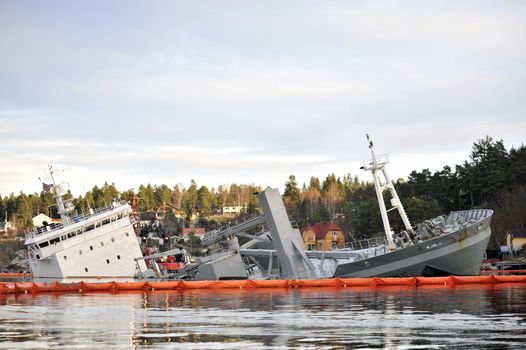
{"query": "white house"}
(39, 220)
(232, 210)
(5, 226)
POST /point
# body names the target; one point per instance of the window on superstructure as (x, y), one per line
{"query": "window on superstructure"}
(107, 221)
(71, 234)
(107, 261)
(65, 257)
(63, 238)
(90, 247)
(86, 269)
(54, 240)
(43, 244)
(118, 257)
(89, 228)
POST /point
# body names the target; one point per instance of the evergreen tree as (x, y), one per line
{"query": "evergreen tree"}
(291, 189)
(204, 203)
(24, 212)
(292, 197)
(189, 199)
(162, 195)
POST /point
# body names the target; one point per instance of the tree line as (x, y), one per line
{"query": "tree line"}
(492, 177)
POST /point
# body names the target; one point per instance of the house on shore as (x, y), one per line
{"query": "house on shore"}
(232, 210)
(320, 236)
(196, 231)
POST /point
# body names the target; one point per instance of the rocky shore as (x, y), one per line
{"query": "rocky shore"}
(12, 258)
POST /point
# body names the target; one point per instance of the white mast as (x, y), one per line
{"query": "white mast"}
(58, 192)
(377, 165)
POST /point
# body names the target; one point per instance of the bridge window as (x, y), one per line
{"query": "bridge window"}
(43, 244)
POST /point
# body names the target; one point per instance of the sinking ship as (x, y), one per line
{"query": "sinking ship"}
(101, 243)
(452, 244)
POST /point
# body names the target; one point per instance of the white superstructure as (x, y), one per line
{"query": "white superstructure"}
(100, 244)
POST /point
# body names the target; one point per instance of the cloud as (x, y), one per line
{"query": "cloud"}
(251, 91)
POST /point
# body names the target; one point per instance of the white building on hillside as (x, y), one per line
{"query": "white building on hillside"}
(232, 210)
(39, 220)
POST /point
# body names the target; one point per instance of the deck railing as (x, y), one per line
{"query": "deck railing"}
(71, 220)
(367, 243)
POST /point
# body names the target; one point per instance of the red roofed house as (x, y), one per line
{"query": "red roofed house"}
(321, 236)
(196, 231)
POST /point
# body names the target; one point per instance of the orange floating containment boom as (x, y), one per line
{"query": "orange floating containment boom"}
(31, 287)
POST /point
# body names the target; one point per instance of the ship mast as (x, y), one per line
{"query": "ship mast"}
(57, 194)
(377, 166)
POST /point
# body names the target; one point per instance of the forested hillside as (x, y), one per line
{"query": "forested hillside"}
(492, 177)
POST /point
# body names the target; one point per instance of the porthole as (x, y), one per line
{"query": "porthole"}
(80, 252)
(127, 234)
(112, 239)
(90, 247)
(107, 261)
(118, 257)
(65, 257)
(102, 244)
(86, 269)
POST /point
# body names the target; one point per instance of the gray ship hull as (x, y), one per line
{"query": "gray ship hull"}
(457, 253)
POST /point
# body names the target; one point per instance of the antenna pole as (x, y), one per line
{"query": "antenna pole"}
(58, 198)
(377, 167)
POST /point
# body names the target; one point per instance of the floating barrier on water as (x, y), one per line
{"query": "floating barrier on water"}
(33, 287)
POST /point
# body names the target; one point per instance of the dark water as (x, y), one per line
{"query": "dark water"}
(474, 317)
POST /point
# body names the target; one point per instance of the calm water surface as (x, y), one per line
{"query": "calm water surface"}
(474, 317)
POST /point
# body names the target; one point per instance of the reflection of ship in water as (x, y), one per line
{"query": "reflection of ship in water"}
(447, 317)
(452, 244)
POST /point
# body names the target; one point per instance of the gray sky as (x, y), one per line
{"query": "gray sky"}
(158, 92)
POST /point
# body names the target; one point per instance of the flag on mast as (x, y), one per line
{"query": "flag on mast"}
(46, 187)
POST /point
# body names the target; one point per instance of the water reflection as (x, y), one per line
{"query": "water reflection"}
(489, 316)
